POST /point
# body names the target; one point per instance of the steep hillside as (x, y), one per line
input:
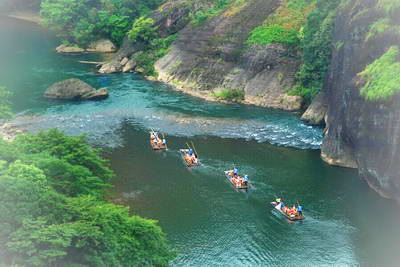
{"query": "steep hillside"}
(363, 117)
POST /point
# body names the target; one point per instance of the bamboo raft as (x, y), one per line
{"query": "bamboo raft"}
(184, 152)
(157, 146)
(232, 181)
(292, 218)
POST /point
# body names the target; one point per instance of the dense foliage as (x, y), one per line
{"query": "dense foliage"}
(51, 213)
(143, 30)
(381, 79)
(316, 46)
(5, 104)
(229, 94)
(83, 21)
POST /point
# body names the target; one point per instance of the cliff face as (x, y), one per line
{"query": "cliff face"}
(361, 133)
(215, 56)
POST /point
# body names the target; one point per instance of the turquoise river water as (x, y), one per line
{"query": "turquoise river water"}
(205, 219)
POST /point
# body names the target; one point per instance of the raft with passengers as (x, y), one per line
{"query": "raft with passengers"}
(236, 180)
(190, 156)
(156, 142)
(295, 213)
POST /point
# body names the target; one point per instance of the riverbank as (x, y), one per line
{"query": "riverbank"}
(283, 102)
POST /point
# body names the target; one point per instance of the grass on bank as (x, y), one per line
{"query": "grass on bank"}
(229, 94)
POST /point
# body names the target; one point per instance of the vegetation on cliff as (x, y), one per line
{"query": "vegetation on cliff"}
(216, 7)
(145, 34)
(5, 104)
(52, 212)
(381, 79)
(285, 26)
(84, 21)
(316, 47)
(305, 25)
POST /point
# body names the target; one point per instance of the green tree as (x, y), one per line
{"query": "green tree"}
(84, 21)
(143, 30)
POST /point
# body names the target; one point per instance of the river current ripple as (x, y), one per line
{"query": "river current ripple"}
(152, 105)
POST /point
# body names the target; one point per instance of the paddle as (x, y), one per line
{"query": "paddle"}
(195, 151)
(187, 145)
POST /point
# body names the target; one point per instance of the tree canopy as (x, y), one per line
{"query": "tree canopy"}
(83, 21)
(52, 212)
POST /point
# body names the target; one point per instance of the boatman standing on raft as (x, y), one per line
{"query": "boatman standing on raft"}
(300, 210)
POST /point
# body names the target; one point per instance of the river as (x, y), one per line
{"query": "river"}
(205, 219)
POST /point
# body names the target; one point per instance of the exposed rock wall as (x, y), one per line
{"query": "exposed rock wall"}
(361, 133)
(214, 56)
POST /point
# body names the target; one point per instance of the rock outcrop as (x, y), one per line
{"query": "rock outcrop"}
(100, 46)
(69, 49)
(315, 113)
(361, 133)
(74, 89)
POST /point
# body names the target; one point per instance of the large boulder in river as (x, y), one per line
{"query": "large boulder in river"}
(74, 89)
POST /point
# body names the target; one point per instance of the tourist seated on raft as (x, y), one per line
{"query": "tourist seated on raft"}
(191, 156)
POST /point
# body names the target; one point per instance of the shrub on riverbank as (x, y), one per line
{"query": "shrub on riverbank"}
(229, 94)
(52, 212)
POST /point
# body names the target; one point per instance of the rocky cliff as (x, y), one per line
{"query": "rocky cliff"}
(362, 133)
(214, 56)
